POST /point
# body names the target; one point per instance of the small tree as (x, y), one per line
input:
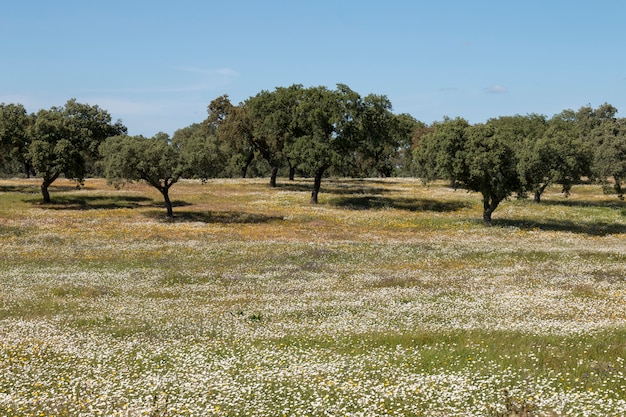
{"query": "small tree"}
(384, 136)
(159, 161)
(408, 129)
(15, 136)
(234, 130)
(488, 166)
(477, 157)
(610, 154)
(65, 141)
(201, 155)
(274, 117)
(439, 151)
(550, 152)
(134, 158)
(330, 132)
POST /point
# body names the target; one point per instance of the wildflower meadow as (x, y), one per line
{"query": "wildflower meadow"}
(388, 298)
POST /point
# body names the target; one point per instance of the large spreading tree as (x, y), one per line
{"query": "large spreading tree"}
(550, 152)
(438, 154)
(233, 128)
(609, 161)
(480, 158)
(489, 166)
(134, 158)
(15, 136)
(160, 161)
(275, 125)
(386, 138)
(65, 141)
(329, 131)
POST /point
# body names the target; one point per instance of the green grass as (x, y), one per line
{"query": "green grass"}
(388, 298)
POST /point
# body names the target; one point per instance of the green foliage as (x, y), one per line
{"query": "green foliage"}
(234, 130)
(439, 152)
(610, 156)
(153, 160)
(489, 166)
(200, 155)
(15, 136)
(479, 157)
(275, 124)
(551, 152)
(386, 138)
(159, 161)
(65, 141)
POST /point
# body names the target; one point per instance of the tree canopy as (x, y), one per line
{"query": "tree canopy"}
(159, 161)
(15, 136)
(65, 141)
(316, 132)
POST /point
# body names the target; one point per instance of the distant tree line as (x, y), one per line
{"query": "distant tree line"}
(518, 155)
(316, 132)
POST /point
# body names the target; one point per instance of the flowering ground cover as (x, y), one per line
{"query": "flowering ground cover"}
(387, 298)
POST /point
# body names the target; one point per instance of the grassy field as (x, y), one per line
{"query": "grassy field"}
(387, 298)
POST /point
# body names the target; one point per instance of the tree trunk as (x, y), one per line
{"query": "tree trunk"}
(45, 193)
(244, 169)
(317, 184)
(292, 173)
(273, 177)
(538, 192)
(489, 206)
(168, 203)
(44, 187)
(28, 169)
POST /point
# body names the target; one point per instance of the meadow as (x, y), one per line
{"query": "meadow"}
(389, 298)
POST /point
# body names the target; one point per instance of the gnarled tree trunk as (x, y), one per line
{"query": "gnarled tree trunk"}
(244, 169)
(489, 206)
(273, 177)
(168, 204)
(538, 192)
(47, 182)
(317, 184)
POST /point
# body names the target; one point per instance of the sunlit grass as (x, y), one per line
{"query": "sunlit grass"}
(387, 298)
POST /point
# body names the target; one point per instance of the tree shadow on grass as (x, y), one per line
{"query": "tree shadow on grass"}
(36, 188)
(215, 217)
(588, 228)
(24, 189)
(399, 203)
(90, 202)
(294, 186)
(340, 186)
(336, 188)
(614, 204)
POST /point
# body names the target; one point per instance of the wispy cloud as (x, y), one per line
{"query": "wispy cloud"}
(223, 72)
(496, 89)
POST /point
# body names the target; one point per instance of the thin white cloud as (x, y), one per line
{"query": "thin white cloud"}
(223, 72)
(497, 89)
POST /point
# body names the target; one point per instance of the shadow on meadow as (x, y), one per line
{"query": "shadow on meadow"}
(399, 203)
(91, 202)
(344, 186)
(613, 203)
(216, 217)
(588, 228)
(35, 188)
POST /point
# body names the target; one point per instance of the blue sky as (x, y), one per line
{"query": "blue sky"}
(157, 64)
